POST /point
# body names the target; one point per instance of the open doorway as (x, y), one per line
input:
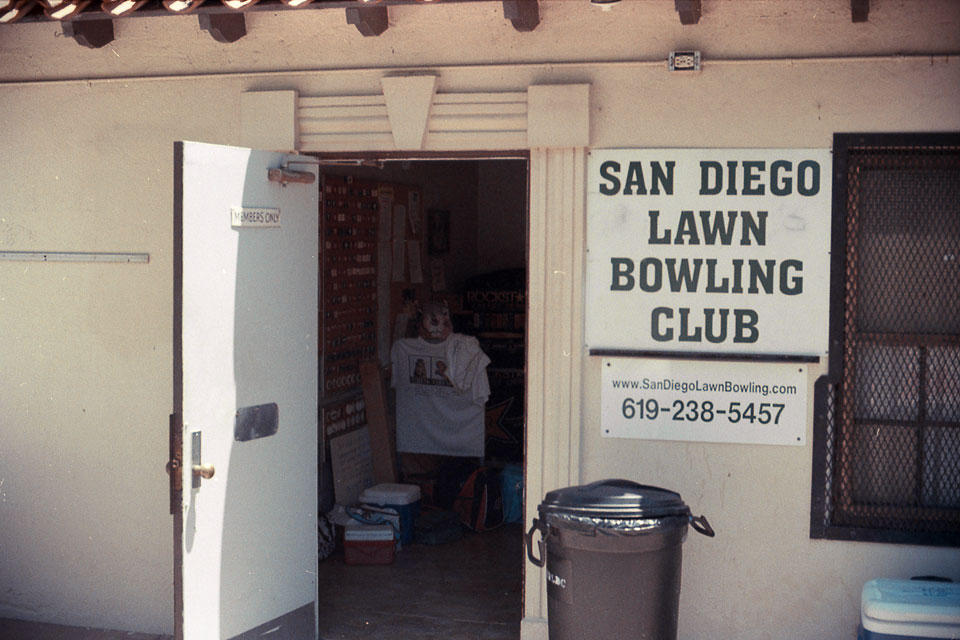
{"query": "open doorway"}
(450, 231)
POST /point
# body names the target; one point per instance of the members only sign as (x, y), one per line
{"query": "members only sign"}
(720, 250)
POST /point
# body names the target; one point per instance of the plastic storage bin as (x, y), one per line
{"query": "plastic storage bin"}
(368, 543)
(404, 498)
(613, 553)
(909, 610)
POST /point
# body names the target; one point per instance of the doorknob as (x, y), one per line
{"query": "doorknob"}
(204, 471)
(199, 469)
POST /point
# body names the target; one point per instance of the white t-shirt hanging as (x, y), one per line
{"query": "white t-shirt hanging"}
(433, 416)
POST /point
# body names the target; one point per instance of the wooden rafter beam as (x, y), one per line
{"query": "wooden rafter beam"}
(370, 21)
(93, 33)
(859, 10)
(689, 11)
(224, 27)
(524, 14)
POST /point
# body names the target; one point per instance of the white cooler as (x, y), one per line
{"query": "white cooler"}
(404, 499)
(909, 610)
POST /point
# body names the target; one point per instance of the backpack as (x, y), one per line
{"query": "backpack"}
(451, 475)
(480, 500)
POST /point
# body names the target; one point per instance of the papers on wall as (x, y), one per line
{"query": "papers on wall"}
(416, 269)
(399, 260)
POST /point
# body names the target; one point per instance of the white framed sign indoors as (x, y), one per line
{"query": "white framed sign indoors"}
(709, 250)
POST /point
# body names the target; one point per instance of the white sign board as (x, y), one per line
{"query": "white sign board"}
(704, 401)
(254, 217)
(709, 250)
(352, 465)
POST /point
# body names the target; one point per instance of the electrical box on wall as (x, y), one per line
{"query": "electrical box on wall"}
(684, 61)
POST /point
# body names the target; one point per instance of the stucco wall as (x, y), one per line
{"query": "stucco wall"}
(762, 576)
(85, 350)
(86, 375)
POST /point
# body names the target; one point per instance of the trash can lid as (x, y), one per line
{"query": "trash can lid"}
(620, 499)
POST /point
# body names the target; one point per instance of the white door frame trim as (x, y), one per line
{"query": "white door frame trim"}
(552, 121)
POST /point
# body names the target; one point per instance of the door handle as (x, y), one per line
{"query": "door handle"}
(199, 469)
(205, 471)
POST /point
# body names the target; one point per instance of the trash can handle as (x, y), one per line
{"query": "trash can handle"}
(700, 525)
(543, 532)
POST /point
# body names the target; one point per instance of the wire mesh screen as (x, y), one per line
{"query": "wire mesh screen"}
(892, 454)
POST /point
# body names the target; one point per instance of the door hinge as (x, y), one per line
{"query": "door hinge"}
(175, 462)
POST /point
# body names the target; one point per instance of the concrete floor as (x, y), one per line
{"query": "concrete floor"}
(466, 590)
(21, 630)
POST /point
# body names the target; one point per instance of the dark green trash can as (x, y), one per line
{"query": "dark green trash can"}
(613, 554)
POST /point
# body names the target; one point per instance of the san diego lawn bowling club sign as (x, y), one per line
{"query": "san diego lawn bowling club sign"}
(709, 250)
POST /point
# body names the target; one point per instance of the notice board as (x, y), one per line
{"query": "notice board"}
(349, 217)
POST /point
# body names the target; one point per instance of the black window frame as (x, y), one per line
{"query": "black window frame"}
(822, 524)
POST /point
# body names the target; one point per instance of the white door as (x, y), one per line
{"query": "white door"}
(245, 395)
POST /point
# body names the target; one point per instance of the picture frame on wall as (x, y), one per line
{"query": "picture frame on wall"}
(438, 232)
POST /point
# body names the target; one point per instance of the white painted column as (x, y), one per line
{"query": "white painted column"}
(555, 344)
(558, 133)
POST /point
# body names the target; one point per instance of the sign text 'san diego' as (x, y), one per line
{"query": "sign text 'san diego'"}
(709, 250)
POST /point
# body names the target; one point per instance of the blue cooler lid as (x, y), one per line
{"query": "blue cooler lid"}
(911, 608)
(614, 499)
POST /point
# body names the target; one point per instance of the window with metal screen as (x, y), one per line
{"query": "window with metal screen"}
(887, 418)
